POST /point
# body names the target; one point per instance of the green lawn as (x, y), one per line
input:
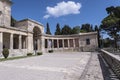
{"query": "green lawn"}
(13, 58)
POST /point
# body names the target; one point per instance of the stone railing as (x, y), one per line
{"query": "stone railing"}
(112, 60)
(113, 50)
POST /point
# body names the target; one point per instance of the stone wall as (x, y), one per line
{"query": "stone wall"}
(5, 13)
(28, 24)
(112, 60)
(78, 40)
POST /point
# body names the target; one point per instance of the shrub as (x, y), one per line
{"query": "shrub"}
(39, 53)
(29, 54)
(50, 51)
(5, 52)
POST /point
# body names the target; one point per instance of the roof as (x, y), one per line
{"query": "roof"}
(31, 20)
(73, 35)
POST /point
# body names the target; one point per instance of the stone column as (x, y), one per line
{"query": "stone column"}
(38, 44)
(48, 45)
(11, 41)
(42, 43)
(26, 42)
(20, 42)
(74, 43)
(68, 43)
(52, 44)
(30, 43)
(1, 42)
(63, 43)
(57, 43)
(78, 42)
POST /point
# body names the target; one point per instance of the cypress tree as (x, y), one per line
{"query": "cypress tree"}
(58, 30)
(48, 29)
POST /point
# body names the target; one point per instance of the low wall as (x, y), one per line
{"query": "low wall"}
(113, 61)
(18, 52)
(78, 49)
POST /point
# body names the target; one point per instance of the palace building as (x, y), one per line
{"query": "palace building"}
(28, 36)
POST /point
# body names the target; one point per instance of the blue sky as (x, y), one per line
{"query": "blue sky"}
(69, 12)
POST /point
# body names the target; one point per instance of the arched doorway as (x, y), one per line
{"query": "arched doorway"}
(36, 38)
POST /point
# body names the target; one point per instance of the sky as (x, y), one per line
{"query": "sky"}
(64, 12)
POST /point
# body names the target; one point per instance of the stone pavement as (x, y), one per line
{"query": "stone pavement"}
(93, 69)
(54, 66)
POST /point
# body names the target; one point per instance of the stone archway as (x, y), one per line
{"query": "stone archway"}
(36, 38)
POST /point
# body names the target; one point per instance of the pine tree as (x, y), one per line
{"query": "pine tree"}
(66, 30)
(13, 21)
(48, 29)
(58, 30)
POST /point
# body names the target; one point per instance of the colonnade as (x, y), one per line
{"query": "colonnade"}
(62, 43)
(15, 41)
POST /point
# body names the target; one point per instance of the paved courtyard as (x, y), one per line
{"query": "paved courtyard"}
(54, 66)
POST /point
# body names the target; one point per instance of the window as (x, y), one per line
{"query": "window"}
(87, 41)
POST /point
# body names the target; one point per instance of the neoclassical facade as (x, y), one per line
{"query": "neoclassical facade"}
(28, 36)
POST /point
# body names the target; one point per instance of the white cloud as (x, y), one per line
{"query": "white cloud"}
(63, 8)
(46, 16)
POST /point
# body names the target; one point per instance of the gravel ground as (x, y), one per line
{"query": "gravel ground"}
(54, 66)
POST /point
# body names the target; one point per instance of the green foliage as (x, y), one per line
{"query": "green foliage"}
(48, 29)
(76, 30)
(66, 30)
(13, 21)
(5, 53)
(107, 42)
(87, 27)
(111, 23)
(29, 54)
(39, 53)
(96, 28)
(58, 30)
(50, 51)
(83, 31)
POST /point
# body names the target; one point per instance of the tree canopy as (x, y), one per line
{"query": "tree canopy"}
(66, 30)
(111, 23)
(86, 28)
(75, 30)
